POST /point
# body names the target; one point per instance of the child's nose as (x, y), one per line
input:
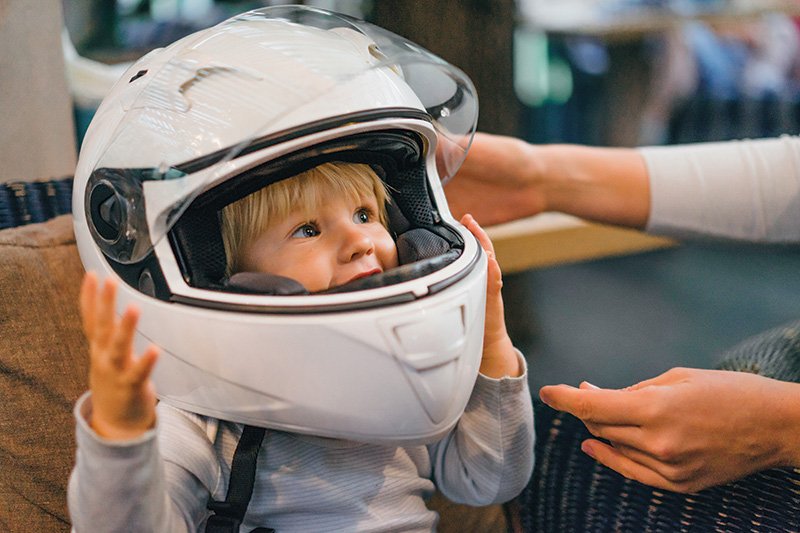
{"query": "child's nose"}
(356, 243)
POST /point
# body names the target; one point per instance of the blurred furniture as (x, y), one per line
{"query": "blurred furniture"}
(624, 28)
(551, 239)
(37, 136)
(611, 110)
(476, 36)
(627, 21)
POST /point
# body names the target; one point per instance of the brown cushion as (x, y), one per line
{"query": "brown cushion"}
(43, 358)
(457, 518)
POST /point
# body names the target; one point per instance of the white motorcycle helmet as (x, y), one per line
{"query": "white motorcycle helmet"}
(228, 110)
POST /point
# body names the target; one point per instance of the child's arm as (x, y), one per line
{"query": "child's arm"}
(125, 479)
(499, 356)
(123, 397)
(488, 457)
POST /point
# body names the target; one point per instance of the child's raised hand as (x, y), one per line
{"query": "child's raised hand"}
(499, 355)
(123, 397)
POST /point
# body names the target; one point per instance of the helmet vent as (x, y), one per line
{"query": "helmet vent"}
(375, 52)
(106, 211)
(137, 75)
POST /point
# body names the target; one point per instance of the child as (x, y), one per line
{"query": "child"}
(147, 467)
(339, 240)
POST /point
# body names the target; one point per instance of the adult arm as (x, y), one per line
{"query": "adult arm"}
(688, 429)
(504, 179)
(746, 190)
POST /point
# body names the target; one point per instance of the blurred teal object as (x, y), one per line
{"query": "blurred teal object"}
(539, 77)
(83, 116)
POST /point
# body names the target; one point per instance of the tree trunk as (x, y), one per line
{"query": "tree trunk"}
(474, 35)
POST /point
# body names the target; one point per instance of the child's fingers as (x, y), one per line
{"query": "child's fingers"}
(142, 368)
(104, 317)
(473, 226)
(122, 338)
(88, 298)
(495, 276)
(495, 329)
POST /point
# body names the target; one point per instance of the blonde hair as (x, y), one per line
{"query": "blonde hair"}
(246, 219)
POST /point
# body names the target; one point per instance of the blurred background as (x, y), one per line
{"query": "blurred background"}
(607, 73)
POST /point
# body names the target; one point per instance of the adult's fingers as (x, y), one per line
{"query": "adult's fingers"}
(630, 436)
(670, 377)
(628, 467)
(669, 468)
(602, 406)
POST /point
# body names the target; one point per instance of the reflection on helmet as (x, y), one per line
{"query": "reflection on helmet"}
(224, 113)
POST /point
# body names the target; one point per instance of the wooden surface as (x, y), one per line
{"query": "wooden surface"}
(457, 518)
(591, 18)
(552, 239)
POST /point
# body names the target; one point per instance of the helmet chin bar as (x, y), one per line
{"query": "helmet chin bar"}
(424, 243)
(406, 272)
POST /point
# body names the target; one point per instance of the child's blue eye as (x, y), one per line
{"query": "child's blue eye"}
(361, 216)
(305, 231)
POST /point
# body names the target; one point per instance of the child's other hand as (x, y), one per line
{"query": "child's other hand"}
(499, 356)
(123, 397)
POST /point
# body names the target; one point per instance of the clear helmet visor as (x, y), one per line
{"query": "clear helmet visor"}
(191, 113)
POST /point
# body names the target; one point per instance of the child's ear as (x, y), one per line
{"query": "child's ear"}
(263, 283)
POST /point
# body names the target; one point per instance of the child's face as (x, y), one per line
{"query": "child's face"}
(337, 242)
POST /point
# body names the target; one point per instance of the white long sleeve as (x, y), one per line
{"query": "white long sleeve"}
(744, 190)
(162, 481)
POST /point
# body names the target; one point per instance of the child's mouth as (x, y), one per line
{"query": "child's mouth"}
(366, 274)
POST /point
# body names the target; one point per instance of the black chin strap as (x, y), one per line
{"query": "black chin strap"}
(228, 515)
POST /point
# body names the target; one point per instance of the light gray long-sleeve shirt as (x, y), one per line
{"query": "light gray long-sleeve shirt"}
(162, 481)
(745, 190)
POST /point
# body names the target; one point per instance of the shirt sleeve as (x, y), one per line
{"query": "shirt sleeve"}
(488, 457)
(744, 190)
(131, 486)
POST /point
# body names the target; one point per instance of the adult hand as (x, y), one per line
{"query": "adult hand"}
(504, 179)
(123, 397)
(688, 429)
(497, 182)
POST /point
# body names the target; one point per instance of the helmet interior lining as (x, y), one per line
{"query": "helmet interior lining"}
(413, 220)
